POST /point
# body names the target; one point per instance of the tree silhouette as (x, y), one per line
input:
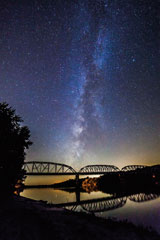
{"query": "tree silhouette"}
(14, 140)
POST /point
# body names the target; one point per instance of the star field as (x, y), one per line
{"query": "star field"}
(85, 77)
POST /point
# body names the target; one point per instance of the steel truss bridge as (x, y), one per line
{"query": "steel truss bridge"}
(51, 168)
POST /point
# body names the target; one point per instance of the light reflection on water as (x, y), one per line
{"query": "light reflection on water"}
(42, 180)
(50, 195)
(59, 196)
(140, 213)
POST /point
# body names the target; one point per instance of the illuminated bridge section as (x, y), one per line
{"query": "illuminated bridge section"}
(47, 168)
(132, 167)
(98, 169)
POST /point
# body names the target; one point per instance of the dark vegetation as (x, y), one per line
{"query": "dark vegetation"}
(14, 140)
(136, 180)
(139, 180)
(69, 183)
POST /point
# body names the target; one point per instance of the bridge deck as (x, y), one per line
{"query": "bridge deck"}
(67, 173)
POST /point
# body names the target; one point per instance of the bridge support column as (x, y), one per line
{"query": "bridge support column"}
(77, 180)
(77, 188)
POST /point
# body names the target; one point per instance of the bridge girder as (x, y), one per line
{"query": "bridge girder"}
(99, 168)
(132, 167)
(47, 167)
(51, 168)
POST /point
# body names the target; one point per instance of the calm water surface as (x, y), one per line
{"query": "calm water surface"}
(141, 209)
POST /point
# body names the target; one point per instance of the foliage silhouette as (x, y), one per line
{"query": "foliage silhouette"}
(14, 140)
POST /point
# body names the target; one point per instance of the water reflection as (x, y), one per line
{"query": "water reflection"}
(142, 197)
(138, 204)
(104, 205)
(108, 203)
(71, 199)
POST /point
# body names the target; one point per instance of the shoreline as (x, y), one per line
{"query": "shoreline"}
(24, 218)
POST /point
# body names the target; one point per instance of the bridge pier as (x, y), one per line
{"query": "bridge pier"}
(77, 188)
(77, 179)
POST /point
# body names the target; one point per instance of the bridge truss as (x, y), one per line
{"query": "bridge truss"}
(51, 168)
(47, 168)
(132, 167)
(99, 168)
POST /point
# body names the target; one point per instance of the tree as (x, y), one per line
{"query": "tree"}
(14, 140)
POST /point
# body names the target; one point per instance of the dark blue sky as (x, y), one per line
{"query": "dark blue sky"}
(85, 77)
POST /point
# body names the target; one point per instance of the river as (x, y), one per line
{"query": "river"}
(140, 209)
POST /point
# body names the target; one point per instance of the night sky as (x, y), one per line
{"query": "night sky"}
(85, 77)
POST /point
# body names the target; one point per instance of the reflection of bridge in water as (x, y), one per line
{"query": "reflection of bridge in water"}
(95, 205)
(106, 204)
(143, 197)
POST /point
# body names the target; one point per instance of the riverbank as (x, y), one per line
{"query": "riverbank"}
(23, 218)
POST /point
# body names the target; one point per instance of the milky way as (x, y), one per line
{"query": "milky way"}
(84, 76)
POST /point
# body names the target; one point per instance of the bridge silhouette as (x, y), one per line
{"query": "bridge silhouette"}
(50, 168)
